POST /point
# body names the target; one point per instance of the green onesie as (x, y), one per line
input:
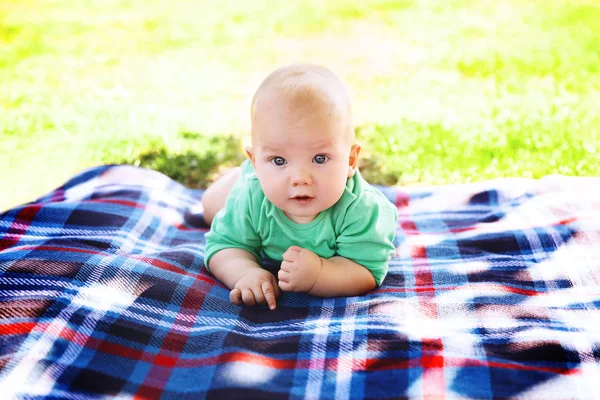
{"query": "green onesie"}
(360, 226)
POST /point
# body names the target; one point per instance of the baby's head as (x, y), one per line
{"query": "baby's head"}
(303, 148)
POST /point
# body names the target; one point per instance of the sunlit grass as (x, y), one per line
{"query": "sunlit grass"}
(443, 91)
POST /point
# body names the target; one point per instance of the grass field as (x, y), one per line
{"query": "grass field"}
(443, 91)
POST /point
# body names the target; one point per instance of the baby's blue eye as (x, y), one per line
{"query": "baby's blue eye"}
(279, 161)
(320, 159)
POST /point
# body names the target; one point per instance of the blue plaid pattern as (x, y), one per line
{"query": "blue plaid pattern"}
(493, 293)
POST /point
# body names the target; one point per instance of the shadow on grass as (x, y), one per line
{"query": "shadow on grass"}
(202, 160)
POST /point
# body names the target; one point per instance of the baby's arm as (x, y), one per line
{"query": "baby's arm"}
(342, 277)
(239, 271)
(304, 271)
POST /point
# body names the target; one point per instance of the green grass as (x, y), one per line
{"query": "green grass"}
(443, 91)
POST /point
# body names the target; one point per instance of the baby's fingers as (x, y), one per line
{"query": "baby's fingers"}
(291, 253)
(285, 286)
(284, 275)
(248, 297)
(235, 296)
(270, 294)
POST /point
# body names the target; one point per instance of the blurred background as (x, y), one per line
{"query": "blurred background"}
(443, 91)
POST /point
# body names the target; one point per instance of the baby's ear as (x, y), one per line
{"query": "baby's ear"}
(353, 160)
(249, 153)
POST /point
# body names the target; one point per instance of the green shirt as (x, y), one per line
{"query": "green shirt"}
(360, 226)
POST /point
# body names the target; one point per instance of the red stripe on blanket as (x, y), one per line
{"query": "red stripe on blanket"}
(159, 263)
(24, 217)
(119, 202)
(416, 290)
(165, 361)
(183, 227)
(435, 361)
(505, 365)
(567, 221)
(409, 227)
(402, 199)
(170, 267)
(119, 350)
(18, 328)
(480, 286)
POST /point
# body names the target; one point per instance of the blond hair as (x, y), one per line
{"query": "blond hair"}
(308, 86)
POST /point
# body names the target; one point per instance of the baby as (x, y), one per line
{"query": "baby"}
(299, 199)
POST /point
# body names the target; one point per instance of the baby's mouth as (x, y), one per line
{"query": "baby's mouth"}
(302, 200)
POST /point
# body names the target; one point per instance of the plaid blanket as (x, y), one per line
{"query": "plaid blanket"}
(494, 292)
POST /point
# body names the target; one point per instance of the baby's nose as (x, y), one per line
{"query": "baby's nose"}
(300, 177)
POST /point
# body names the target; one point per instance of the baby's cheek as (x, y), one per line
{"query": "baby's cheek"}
(273, 193)
(334, 190)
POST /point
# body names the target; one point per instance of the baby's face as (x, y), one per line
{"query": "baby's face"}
(302, 159)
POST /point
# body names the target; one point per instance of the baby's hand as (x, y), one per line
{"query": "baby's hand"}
(299, 269)
(257, 286)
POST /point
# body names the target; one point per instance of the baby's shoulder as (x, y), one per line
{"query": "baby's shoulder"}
(365, 196)
(372, 201)
(245, 193)
(369, 208)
